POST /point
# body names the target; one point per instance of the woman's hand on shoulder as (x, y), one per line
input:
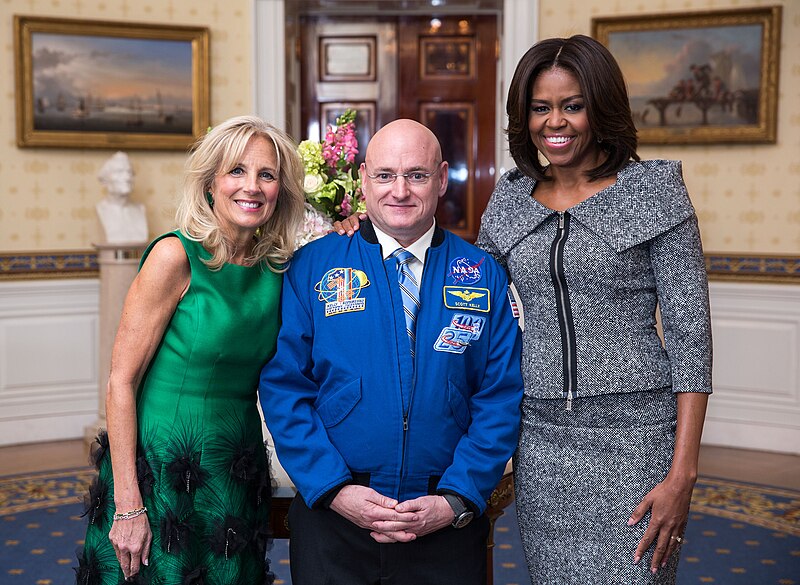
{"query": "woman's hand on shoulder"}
(349, 225)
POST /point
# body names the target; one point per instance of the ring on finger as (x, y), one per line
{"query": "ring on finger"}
(679, 539)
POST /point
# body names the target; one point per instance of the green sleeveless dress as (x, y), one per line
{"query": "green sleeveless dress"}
(201, 463)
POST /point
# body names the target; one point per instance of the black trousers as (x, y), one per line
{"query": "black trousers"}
(327, 549)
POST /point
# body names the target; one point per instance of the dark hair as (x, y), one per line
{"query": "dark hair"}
(604, 92)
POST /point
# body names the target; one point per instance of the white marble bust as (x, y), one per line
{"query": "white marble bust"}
(123, 222)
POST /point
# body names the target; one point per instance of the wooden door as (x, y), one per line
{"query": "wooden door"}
(348, 64)
(447, 82)
(441, 72)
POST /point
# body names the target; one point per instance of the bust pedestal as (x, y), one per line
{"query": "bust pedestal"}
(118, 266)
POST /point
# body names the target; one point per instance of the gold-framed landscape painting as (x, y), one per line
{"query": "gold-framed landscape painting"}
(699, 77)
(115, 85)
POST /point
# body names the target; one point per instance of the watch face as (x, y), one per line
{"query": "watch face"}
(463, 519)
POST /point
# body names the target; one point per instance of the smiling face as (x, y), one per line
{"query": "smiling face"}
(245, 196)
(558, 122)
(403, 209)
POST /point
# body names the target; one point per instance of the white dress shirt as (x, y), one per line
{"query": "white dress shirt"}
(417, 249)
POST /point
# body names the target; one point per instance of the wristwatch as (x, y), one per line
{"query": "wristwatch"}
(461, 514)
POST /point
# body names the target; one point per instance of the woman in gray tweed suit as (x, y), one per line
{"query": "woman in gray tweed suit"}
(594, 241)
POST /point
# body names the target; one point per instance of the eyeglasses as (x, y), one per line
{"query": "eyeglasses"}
(412, 177)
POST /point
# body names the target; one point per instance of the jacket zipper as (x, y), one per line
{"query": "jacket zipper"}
(407, 412)
(565, 323)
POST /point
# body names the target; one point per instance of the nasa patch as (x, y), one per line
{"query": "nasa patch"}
(465, 271)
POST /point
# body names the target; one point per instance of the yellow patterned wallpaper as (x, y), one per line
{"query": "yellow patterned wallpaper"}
(747, 196)
(47, 196)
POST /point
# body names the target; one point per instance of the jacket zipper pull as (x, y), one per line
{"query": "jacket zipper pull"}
(405, 423)
(561, 220)
(569, 400)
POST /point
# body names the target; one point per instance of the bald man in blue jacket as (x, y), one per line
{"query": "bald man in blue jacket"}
(394, 431)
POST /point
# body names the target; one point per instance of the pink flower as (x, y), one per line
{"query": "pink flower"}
(332, 185)
(340, 147)
(347, 207)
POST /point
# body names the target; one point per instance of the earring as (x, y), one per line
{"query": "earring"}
(210, 199)
(599, 140)
(259, 231)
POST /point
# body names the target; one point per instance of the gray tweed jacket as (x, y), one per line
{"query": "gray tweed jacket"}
(589, 301)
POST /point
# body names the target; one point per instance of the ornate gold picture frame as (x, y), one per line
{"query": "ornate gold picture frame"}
(98, 84)
(700, 77)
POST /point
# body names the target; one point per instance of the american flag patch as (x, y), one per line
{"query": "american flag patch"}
(513, 302)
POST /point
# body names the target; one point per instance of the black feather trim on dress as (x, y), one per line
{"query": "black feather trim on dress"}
(185, 473)
(261, 538)
(263, 487)
(87, 572)
(244, 465)
(236, 450)
(269, 576)
(144, 474)
(273, 482)
(183, 455)
(95, 503)
(230, 536)
(197, 576)
(99, 449)
(176, 530)
(137, 579)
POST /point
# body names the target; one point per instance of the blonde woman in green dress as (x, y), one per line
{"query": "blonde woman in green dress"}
(183, 489)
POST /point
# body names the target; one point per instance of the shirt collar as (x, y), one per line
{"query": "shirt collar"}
(418, 248)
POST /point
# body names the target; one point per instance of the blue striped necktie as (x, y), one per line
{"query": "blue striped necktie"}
(410, 292)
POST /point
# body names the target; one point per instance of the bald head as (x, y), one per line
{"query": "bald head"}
(401, 208)
(409, 134)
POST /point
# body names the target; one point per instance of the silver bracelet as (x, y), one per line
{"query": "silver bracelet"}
(130, 514)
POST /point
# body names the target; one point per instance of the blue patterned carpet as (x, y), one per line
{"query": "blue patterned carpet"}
(739, 534)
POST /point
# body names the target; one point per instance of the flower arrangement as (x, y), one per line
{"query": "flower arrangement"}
(331, 184)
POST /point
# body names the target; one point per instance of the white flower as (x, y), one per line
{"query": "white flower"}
(313, 183)
(315, 225)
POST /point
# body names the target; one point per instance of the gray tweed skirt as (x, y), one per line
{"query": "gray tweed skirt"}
(579, 474)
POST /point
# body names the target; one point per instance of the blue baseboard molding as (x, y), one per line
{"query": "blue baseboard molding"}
(62, 264)
(754, 267)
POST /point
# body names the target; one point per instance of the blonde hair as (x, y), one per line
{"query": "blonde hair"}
(217, 153)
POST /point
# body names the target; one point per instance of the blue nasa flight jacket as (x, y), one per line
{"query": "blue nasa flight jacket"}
(344, 399)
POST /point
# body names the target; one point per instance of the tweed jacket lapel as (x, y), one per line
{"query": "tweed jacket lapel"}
(647, 199)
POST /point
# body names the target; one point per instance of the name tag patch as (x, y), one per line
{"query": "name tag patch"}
(340, 290)
(467, 298)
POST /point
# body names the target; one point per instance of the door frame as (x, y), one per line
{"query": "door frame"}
(519, 30)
